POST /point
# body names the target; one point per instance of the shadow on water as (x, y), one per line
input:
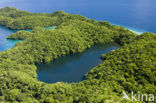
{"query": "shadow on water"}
(72, 68)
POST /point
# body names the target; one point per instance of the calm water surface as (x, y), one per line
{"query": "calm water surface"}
(72, 68)
(138, 15)
(4, 43)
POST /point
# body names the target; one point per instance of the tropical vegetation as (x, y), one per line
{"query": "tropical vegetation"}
(129, 68)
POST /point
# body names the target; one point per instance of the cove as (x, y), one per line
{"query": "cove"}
(72, 68)
(4, 43)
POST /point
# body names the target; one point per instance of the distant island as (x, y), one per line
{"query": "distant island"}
(129, 68)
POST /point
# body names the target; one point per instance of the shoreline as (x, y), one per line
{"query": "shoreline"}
(138, 31)
(135, 30)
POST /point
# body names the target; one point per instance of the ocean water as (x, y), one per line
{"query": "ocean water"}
(4, 43)
(138, 15)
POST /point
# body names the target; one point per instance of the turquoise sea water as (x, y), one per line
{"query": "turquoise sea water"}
(46, 28)
(4, 43)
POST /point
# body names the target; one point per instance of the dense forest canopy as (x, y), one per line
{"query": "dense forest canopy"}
(129, 68)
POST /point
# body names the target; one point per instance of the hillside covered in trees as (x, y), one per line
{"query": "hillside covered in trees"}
(129, 68)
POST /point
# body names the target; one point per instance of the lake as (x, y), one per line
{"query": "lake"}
(72, 68)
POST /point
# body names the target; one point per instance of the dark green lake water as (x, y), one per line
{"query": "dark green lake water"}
(72, 68)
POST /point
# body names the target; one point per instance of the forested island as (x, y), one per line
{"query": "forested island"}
(129, 68)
